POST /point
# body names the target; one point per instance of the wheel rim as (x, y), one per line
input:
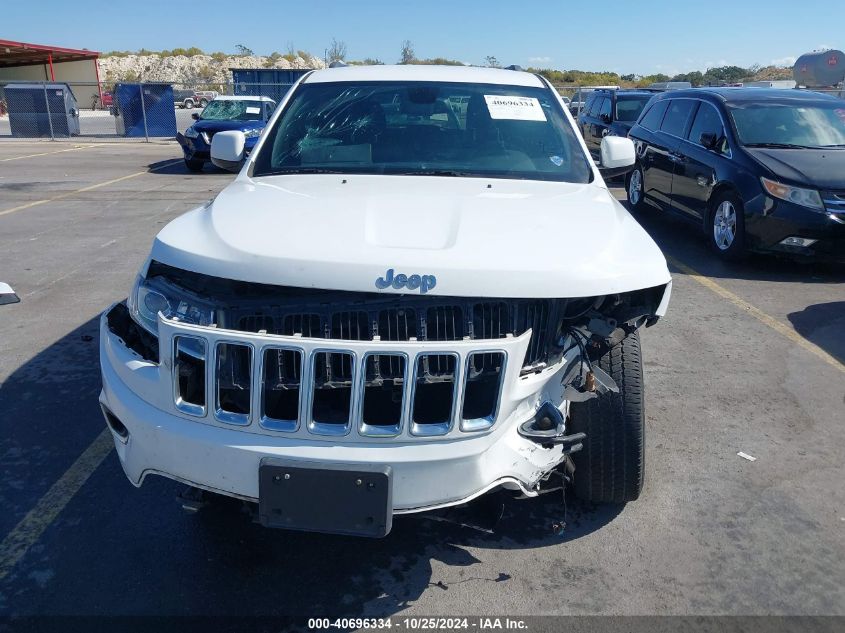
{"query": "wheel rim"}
(724, 225)
(635, 187)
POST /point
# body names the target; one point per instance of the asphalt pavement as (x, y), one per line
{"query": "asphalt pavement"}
(749, 358)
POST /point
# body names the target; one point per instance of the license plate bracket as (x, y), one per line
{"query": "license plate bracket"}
(320, 497)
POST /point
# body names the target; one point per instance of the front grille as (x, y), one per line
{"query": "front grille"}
(834, 201)
(407, 319)
(336, 387)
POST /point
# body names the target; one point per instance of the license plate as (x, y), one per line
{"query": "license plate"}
(334, 498)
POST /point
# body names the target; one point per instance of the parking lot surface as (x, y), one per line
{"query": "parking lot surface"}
(749, 358)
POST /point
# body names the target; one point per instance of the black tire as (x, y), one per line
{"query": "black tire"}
(735, 250)
(194, 164)
(629, 180)
(611, 466)
(189, 104)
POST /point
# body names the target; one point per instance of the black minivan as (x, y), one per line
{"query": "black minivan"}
(760, 169)
(610, 112)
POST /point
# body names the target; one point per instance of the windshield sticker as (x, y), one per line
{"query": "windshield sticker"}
(252, 110)
(557, 160)
(514, 108)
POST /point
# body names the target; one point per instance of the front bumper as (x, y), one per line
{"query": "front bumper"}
(428, 472)
(767, 229)
(198, 149)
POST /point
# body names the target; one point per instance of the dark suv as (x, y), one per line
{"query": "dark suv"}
(610, 112)
(758, 169)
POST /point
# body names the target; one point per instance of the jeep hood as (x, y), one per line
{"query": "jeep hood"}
(478, 237)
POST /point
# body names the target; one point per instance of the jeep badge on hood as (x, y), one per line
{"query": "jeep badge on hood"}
(411, 282)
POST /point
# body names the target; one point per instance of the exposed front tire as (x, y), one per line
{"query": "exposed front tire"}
(610, 467)
(634, 186)
(726, 233)
(194, 165)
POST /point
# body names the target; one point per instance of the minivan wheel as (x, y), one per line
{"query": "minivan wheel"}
(611, 465)
(727, 226)
(635, 189)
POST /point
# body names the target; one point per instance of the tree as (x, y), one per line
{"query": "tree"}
(492, 62)
(408, 55)
(243, 50)
(337, 51)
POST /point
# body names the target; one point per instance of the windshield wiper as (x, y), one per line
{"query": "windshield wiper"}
(299, 170)
(781, 146)
(435, 172)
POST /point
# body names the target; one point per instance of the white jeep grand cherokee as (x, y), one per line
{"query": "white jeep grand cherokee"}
(417, 290)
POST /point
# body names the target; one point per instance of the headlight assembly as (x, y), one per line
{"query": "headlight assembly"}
(809, 198)
(149, 297)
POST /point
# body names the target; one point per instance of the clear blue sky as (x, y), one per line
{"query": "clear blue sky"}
(646, 37)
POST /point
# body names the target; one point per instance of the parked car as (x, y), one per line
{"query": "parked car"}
(103, 99)
(388, 314)
(610, 112)
(759, 169)
(580, 96)
(246, 114)
(186, 99)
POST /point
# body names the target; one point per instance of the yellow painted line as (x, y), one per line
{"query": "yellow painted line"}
(36, 203)
(58, 151)
(26, 533)
(757, 313)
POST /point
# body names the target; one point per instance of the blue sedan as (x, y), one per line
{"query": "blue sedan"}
(247, 114)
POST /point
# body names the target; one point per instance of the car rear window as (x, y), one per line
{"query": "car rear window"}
(629, 108)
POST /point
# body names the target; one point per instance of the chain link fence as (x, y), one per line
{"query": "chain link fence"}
(113, 111)
(145, 111)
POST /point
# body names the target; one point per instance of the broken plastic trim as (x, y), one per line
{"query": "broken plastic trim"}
(136, 338)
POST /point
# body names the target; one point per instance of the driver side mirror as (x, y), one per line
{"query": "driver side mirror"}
(227, 150)
(195, 116)
(617, 156)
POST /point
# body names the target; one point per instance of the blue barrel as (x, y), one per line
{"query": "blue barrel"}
(265, 82)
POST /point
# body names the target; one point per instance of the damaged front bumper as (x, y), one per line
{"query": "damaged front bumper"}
(218, 443)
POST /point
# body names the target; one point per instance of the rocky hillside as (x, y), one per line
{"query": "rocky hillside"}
(193, 70)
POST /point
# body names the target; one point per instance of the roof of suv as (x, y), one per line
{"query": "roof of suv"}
(415, 72)
(744, 95)
(626, 91)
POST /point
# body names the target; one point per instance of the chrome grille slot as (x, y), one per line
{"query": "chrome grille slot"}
(350, 326)
(383, 397)
(482, 390)
(397, 324)
(233, 383)
(490, 320)
(434, 390)
(443, 323)
(533, 316)
(281, 389)
(189, 357)
(331, 395)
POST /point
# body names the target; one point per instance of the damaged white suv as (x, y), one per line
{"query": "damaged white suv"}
(417, 290)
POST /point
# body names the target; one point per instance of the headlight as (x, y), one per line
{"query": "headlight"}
(149, 297)
(809, 198)
(252, 133)
(191, 132)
